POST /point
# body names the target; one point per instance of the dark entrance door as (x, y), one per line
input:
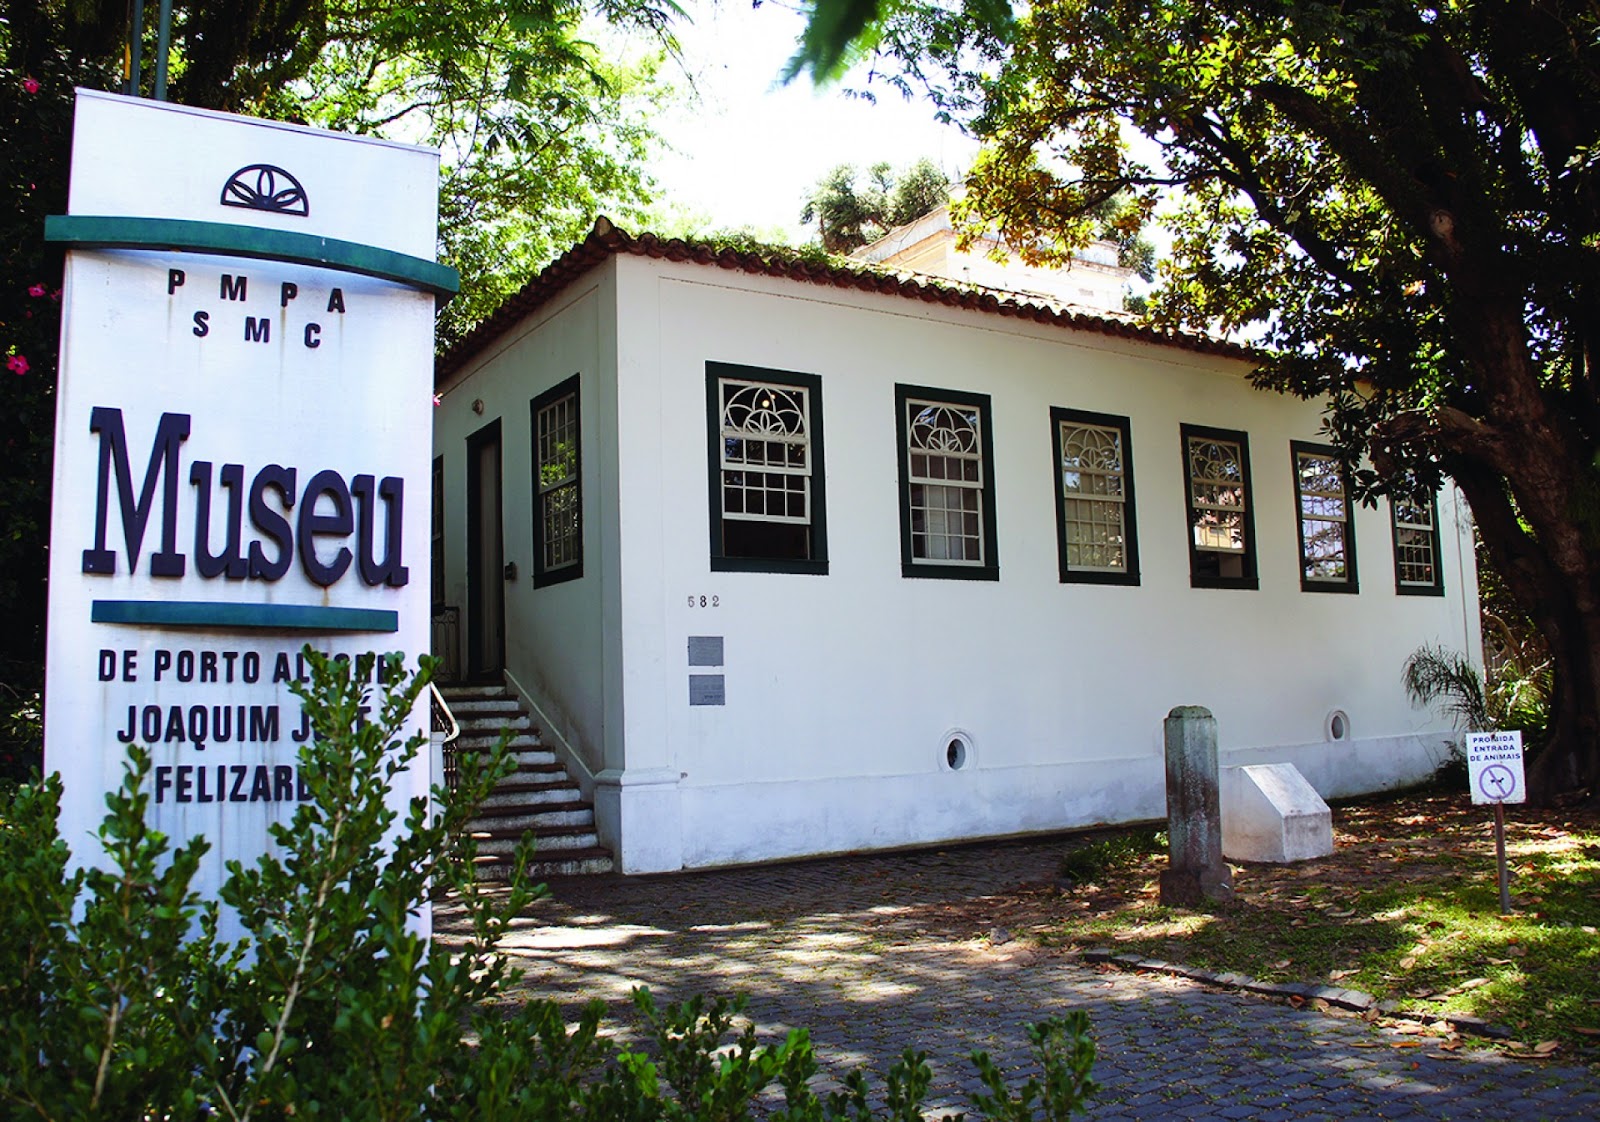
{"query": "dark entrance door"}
(486, 626)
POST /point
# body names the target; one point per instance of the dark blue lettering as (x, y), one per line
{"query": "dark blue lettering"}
(234, 288)
(230, 562)
(272, 524)
(257, 330)
(336, 300)
(175, 279)
(221, 723)
(171, 431)
(202, 324)
(312, 331)
(108, 666)
(287, 291)
(236, 792)
(163, 781)
(283, 783)
(261, 785)
(340, 523)
(263, 724)
(392, 494)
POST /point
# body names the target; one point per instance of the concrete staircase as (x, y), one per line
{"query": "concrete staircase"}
(539, 798)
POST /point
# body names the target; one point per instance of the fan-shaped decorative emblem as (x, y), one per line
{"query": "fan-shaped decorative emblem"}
(268, 188)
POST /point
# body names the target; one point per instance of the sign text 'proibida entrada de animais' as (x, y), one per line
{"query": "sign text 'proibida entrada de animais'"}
(244, 411)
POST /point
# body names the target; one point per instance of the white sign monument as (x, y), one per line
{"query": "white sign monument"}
(242, 453)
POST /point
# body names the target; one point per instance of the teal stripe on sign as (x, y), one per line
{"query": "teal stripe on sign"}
(266, 617)
(88, 231)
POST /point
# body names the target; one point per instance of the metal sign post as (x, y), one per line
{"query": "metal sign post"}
(1494, 774)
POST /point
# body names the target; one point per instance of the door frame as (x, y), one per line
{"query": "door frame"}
(488, 435)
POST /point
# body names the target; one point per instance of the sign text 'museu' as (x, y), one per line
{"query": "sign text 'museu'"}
(329, 507)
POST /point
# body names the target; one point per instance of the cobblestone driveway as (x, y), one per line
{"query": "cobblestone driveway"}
(859, 951)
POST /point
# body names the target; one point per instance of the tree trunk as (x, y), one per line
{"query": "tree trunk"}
(1559, 601)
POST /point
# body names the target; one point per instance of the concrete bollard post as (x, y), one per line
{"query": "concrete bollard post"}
(1194, 818)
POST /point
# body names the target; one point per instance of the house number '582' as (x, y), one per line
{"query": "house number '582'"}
(705, 601)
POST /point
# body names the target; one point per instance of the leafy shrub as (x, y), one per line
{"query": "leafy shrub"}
(1090, 862)
(1516, 695)
(120, 1000)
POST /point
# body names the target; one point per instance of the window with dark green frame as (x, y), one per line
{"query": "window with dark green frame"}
(1096, 532)
(1326, 523)
(767, 497)
(1222, 536)
(947, 520)
(1417, 570)
(557, 486)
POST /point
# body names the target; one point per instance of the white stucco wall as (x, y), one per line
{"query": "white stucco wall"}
(841, 689)
(557, 637)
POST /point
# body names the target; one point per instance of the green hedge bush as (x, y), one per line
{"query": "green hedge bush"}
(119, 999)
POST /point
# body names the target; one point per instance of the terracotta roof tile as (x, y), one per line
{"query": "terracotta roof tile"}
(607, 240)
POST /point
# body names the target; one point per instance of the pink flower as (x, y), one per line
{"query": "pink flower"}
(17, 364)
(31, 85)
(37, 290)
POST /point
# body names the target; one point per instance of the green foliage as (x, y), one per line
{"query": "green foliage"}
(1397, 202)
(539, 132)
(1086, 864)
(120, 999)
(1436, 676)
(1406, 911)
(1510, 699)
(850, 212)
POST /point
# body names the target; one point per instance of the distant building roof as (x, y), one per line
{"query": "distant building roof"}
(1095, 279)
(606, 240)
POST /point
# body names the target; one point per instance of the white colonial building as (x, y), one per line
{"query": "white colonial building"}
(788, 558)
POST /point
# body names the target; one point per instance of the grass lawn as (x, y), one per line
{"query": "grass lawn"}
(1407, 909)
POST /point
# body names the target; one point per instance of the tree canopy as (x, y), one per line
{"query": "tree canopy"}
(1398, 200)
(539, 131)
(850, 212)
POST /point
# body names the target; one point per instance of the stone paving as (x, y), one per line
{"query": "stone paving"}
(856, 950)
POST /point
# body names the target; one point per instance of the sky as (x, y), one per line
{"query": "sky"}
(747, 151)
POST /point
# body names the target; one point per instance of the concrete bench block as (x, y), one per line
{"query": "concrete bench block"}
(1270, 813)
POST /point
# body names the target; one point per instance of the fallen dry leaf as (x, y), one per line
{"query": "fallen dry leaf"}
(1545, 1047)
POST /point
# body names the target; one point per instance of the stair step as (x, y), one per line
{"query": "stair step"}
(491, 723)
(529, 756)
(514, 819)
(515, 792)
(485, 706)
(571, 862)
(538, 799)
(468, 693)
(480, 741)
(546, 839)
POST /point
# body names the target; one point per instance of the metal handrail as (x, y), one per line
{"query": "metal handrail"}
(442, 719)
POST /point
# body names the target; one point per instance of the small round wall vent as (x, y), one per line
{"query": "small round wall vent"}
(957, 749)
(1338, 727)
